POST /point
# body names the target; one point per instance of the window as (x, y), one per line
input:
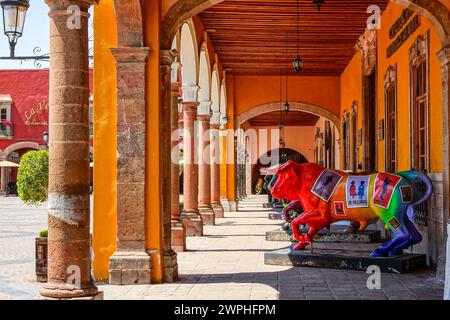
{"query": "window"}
(390, 85)
(418, 60)
(346, 141)
(329, 145)
(349, 142)
(419, 105)
(354, 137)
(5, 115)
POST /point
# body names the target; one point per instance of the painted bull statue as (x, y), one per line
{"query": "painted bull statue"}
(328, 196)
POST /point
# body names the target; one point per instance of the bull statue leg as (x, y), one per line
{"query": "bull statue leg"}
(316, 221)
(412, 236)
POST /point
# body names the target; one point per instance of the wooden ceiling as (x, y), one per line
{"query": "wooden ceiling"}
(293, 118)
(250, 36)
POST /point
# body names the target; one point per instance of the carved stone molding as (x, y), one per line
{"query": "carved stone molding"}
(419, 48)
(367, 45)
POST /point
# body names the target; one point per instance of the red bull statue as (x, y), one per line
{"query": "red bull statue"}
(328, 196)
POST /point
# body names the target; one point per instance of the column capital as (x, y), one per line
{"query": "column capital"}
(203, 117)
(167, 57)
(214, 126)
(190, 93)
(175, 88)
(215, 119)
(444, 56)
(61, 6)
(190, 106)
(204, 108)
(130, 54)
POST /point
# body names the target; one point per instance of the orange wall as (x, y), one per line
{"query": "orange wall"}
(401, 58)
(253, 91)
(351, 90)
(301, 139)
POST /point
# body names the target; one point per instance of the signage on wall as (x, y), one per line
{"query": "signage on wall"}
(33, 113)
(400, 23)
(412, 26)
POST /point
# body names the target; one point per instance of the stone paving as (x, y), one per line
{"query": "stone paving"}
(227, 263)
(19, 226)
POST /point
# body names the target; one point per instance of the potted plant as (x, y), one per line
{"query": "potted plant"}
(32, 187)
(41, 256)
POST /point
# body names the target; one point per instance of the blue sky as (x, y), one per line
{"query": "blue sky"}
(36, 34)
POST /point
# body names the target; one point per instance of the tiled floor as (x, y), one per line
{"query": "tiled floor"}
(227, 263)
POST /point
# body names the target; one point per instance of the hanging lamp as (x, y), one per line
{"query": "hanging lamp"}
(298, 63)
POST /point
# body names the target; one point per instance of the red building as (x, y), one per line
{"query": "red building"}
(23, 117)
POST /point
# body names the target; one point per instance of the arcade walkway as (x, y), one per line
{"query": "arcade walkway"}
(228, 263)
(225, 264)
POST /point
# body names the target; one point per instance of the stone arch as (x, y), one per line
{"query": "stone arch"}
(189, 56)
(204, 76)
(20, 145)
(294, 106)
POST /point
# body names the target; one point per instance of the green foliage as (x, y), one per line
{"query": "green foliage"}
(32, 177)
(43, 234)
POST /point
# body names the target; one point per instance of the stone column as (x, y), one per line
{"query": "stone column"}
(69, 255)
(204, 167)
(190, 216)
(215, 170)
(178, 231)
(130, 264)
(443, 267)
(166, 163)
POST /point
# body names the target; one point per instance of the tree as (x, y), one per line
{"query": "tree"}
(32, 177)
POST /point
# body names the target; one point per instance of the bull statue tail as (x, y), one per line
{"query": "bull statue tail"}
(413, 177)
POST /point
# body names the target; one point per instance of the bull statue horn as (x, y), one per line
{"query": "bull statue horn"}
(277, 168)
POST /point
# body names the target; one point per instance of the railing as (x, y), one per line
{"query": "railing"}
(6, 131)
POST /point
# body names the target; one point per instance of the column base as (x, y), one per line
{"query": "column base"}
(193, 224)
(218, 210)
(170, 266)
(207, 216)
(225, 204)
(178, 236)
(447, 267)
(98, 296)
(130, 268)
(233, 206)
(66, 291)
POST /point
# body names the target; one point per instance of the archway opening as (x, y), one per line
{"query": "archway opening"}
(284, 154)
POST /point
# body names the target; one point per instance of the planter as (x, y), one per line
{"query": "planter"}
(41, 259)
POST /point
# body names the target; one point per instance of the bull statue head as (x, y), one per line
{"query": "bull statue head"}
(288, 180)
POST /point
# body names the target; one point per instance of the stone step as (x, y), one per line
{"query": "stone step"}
(345, 256)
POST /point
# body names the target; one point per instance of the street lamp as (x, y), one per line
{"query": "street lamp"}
(45, 138)
(14, 13)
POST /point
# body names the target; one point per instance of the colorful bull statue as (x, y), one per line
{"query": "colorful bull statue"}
(328, 196)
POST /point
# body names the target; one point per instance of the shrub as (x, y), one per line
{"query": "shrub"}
(32, 177)
(43, 234)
